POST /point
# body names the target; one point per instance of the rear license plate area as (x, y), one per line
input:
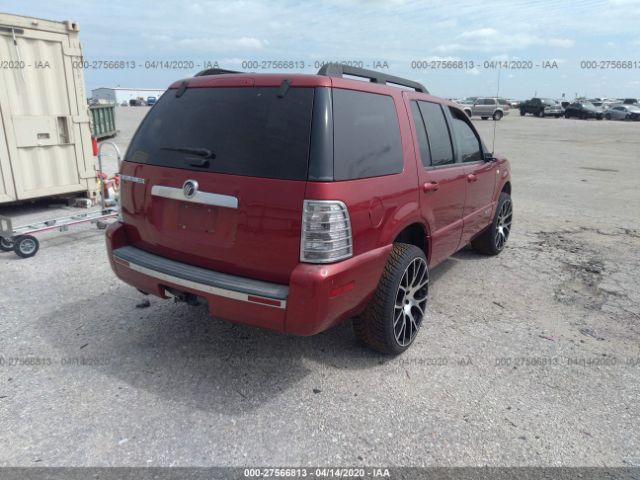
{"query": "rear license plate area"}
(197, 218)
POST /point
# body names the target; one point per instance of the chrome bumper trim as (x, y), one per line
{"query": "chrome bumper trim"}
(202, 280)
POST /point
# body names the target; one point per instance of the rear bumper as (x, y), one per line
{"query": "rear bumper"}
(317, 297)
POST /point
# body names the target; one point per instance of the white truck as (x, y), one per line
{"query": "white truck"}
(45, 136)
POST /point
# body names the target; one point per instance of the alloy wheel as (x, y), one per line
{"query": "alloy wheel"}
(411, 301)
(505, 217)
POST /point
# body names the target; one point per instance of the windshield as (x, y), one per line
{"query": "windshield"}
(246, 131)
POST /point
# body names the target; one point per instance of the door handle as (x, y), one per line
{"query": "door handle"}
(430, 186)
(472, 178)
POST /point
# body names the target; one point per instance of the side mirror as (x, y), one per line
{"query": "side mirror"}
(488, 157)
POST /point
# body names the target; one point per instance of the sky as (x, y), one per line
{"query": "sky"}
(401, 37)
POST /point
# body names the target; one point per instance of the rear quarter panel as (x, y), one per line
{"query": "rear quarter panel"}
(379, 207)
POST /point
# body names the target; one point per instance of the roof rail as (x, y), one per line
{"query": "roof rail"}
(339, 70)
(214, 71)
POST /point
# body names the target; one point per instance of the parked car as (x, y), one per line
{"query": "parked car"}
(151, 101)
(302, 201)
(485, 107)
(623, 112)
(630, 101)
(582, 110)
(541, 107)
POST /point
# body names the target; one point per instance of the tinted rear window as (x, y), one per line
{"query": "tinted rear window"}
(366, 135)
(251, 131)
(438, 134)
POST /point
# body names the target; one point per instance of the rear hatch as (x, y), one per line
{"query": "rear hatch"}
(245, 152)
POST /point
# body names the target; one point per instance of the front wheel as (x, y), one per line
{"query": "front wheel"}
(393, 318)
(567, 115)
(522, 112)
(497, 115)
(608, 116)
(494, 238)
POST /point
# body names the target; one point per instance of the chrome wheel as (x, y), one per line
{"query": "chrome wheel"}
(411, 301)
(504, 224)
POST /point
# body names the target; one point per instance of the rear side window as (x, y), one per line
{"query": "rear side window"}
(249, 131)
(366, 135)
(438, 134)
(423, 143)
(469, 145)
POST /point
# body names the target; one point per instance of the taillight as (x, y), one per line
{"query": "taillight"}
(326, 232)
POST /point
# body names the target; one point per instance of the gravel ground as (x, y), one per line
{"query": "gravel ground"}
(529, 358)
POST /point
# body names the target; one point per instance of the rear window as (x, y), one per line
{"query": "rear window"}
(366, 135)
(249, 131)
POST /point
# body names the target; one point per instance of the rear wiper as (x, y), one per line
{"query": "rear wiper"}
(201, 152)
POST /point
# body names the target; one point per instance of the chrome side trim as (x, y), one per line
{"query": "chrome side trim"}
(205, 198)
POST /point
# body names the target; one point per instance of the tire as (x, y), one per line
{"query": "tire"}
(484, 118)
(627, 117)
(522, 112)
(6, 244)
(497, 115)
(557, 116)
(386, 326)
(541, 113)
(26, 246)
(607, 116)
(494, 238)
(567, 115)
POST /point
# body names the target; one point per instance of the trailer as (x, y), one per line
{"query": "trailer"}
(21, 239)
(45, 133)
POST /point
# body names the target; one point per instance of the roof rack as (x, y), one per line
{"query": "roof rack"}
(214, 71)
(339, 70)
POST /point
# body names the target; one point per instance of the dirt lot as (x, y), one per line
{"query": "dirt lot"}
(529, 358)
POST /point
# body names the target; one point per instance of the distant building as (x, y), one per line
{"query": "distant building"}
(120, 94)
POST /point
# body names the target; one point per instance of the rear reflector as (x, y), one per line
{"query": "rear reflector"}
(265, 301)
(342, 289)
(94, 146)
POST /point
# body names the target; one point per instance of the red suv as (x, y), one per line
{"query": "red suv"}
(294, 202)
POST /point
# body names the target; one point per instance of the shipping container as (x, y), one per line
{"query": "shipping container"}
(103, 121)
(45, 133)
